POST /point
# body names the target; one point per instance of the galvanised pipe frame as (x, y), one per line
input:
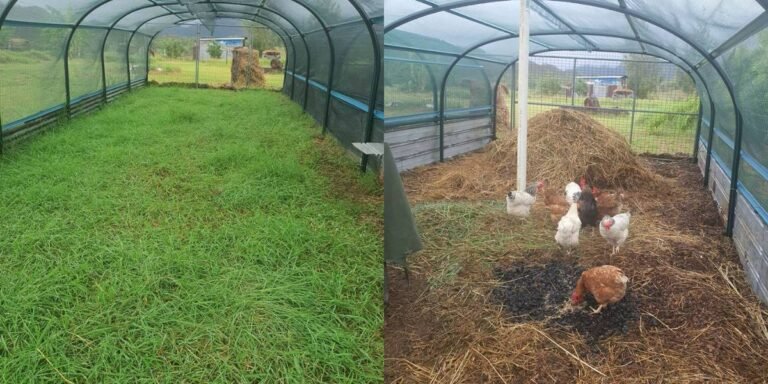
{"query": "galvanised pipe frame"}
(66, 54)
(444, 84)
(256, 17)
(378, 58)
(119, 19)
(622, 9)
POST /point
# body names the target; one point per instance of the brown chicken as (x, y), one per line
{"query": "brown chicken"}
(607, 284)
(608, 203)
(557, 202)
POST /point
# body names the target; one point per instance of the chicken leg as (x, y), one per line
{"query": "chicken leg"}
(599, 308)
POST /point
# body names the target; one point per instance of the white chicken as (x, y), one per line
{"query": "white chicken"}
(568, 229)
(615, 230)
(519, 203)
(572, 191)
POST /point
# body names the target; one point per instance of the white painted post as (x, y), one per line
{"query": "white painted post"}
(522, 89)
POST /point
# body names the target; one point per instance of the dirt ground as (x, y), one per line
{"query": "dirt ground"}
(486, 300)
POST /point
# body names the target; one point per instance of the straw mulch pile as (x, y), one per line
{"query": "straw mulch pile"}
(502, 108)
(691, 316)
(563, 145)
(246, 70)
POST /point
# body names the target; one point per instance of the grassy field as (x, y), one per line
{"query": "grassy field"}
(212, 72)
(189, 236)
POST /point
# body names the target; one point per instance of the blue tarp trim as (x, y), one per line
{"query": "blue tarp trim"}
(57, 108)
(392, 122)
(24, 120)
(752, 162)
(357, 104)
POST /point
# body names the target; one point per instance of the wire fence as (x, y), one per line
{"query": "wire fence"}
(653, 104)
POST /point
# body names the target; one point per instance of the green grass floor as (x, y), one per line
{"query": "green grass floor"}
(189, 236)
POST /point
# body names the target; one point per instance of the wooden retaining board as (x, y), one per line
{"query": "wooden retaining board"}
(419, 144)
(750, 232)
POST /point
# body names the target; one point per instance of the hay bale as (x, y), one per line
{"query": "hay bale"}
(502, 108)
(276, 64)
(246, 71)
(592, 102)
(563, 145)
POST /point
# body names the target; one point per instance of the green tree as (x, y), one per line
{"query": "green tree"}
(643, 78)
(549, 86)
(581, 87)
(174, 49)
(214, 50)
(263, 39)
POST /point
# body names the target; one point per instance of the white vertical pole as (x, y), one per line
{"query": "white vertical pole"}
(522, 89)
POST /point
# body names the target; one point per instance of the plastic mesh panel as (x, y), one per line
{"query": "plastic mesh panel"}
(115, 57)
(85, 61)
(32, 72)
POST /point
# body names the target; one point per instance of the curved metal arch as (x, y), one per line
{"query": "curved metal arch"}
(443, 85)
(626, 11)
(729, 86)
(6, 11)
(258, 19)
(67, 86)
(332, 69)
(260, 8)
(617, 9)
(363, 16)
(306, 47)
(377, 63)
(253, 17)
(325, 28)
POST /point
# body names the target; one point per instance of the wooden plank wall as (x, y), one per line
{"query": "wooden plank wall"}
(419, 144)
(750, 232)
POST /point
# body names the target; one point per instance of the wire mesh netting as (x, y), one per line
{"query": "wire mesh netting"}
(652, 103)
